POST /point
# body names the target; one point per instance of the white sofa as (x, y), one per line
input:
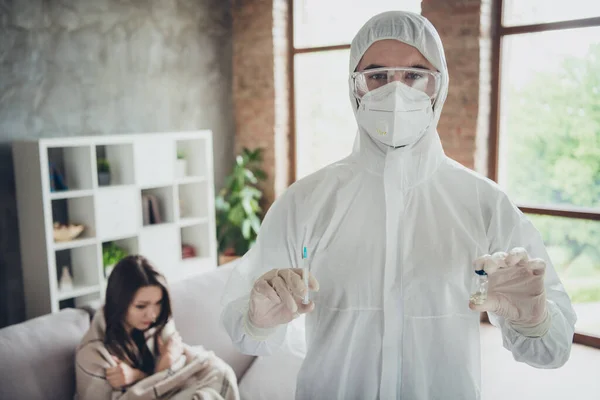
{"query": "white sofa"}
(37, 356)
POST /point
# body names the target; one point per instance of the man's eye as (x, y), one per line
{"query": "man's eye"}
(378, 76)
(412, 76)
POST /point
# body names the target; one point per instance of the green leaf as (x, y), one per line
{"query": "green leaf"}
(255, 222)
(246, 204)
(236, 215)
(246, 225)
(237, 205)
(260, 174)
(250, 176)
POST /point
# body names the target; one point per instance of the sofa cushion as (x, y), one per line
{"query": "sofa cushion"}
(196, 304)
(37, 356)
(271, 377)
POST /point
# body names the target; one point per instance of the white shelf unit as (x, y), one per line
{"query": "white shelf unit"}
(140, 164)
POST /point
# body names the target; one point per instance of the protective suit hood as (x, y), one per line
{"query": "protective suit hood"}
(414, 30)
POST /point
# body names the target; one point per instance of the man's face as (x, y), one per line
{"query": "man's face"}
(393, 53)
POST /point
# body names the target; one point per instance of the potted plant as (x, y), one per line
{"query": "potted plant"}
(237, 206)
(103, 172)
(181, 166)
(111, 254)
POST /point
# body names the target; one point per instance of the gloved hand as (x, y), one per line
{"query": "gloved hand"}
(516, 291)
(276, 299)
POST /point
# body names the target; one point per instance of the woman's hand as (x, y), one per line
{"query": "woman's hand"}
(122, 374)
(169, 352)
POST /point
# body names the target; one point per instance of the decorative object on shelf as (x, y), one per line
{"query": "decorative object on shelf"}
(57, 182)
(150, 210)
(187, 251)
(111, 255)
(181, 166)
(64, 233)
(66, 282)
(238, 210)
(103, 172)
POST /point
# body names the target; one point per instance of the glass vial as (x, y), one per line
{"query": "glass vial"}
(479, 287)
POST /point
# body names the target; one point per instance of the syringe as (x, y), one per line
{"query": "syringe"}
(305, 273)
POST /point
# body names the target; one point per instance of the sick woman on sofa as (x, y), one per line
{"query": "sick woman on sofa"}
(132, 350)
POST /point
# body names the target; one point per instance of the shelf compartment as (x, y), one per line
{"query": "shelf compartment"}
(120, 160)
(73, 166)
(129, 245)
(75, 210)
(193, 200)
(154, 161)
(80, 262)
(196, 156)
(118, 211)
(197, 236)
(164, 204)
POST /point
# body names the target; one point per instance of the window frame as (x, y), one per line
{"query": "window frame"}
(293, 51)
(498, 32)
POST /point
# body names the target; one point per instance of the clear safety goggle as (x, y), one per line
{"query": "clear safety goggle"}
(426, 81)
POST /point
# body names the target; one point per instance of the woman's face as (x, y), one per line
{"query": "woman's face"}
(144, 309)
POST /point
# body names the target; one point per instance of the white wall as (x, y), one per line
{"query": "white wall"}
(83, 67)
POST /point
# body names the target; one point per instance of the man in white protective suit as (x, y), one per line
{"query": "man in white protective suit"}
(394, 233)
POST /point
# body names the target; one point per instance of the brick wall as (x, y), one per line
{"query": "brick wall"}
(459, 23)
(260, 66)
(260, 86)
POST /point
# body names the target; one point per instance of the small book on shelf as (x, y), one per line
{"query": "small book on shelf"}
(150, 210)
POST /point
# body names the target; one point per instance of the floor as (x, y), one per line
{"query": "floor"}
(505, 379)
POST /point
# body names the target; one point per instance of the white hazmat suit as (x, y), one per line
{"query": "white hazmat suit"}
(392, 234)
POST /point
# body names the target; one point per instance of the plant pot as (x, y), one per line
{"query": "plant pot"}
(103, 178)
(226, 258)
(181, 168)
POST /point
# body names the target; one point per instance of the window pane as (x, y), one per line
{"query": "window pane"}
(324, 23)
(574, 248)
(525, 12)
(325, 123)
(550, 118)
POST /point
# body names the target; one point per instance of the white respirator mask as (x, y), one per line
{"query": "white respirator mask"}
(395, 114)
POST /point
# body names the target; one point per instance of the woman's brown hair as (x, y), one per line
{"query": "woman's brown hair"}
(128, 276)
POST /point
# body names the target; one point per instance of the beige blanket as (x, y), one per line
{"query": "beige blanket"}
(202, 377)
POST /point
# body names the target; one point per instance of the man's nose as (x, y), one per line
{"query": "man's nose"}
(394, 76)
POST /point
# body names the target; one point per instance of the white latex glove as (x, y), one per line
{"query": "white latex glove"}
(516, 291)
(276, 299)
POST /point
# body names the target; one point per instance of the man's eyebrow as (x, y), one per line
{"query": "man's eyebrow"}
(373, 66)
